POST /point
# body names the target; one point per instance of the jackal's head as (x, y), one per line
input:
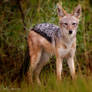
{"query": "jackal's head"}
(69, 22)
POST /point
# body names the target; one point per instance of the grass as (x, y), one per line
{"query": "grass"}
(50, 84)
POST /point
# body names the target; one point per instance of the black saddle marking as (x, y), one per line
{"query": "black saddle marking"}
(42, 34)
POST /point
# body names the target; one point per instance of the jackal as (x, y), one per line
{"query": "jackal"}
(45, 40)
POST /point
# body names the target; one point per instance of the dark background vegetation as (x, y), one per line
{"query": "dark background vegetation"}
(18, 16)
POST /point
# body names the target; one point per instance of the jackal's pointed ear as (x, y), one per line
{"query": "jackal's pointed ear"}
(61, 12)
(77, 11)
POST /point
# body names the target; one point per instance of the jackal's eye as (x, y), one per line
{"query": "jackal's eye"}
(74, 24)
(65, 24)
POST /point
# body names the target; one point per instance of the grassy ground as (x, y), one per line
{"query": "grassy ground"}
(50, 84)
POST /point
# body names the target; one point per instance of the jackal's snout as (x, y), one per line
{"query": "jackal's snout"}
(70, 31)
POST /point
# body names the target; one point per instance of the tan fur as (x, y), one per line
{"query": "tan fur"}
(39, 41)
(40, 49)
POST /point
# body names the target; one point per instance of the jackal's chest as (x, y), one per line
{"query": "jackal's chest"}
(64, 52)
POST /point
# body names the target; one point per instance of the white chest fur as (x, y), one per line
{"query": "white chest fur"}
(63, 51)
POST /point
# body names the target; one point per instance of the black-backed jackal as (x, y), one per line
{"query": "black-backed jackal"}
(48, 39)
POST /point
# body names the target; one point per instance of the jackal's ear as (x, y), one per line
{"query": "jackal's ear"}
(60, 10)
(77, 11)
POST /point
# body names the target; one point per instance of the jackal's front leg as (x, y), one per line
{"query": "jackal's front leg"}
(58, 67)
(70, 62)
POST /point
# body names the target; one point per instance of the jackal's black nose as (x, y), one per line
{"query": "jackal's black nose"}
(70, 31)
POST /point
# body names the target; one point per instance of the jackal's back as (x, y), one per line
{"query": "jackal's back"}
(48, 31)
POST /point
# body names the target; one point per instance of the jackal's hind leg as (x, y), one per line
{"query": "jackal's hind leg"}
(34, 60)
(43, 62)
